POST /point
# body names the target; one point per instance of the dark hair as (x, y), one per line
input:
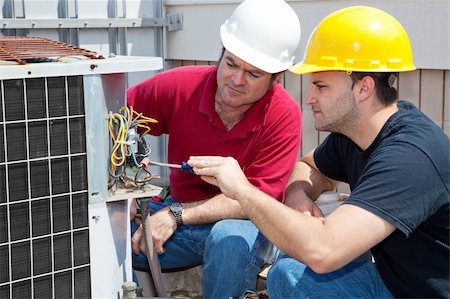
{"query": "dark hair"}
(383, 83)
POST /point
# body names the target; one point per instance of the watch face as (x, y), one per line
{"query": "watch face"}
(176, 207)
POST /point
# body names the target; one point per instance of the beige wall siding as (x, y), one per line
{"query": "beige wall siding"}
(427, 89)
(446, 108)
(426, 21)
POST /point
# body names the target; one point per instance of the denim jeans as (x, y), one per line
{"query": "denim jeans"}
(288, 278)
(232, 252)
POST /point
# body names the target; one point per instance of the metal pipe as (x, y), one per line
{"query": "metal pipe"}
(152, 256)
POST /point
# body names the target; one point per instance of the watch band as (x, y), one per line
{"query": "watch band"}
(177, 210)
(178, 219)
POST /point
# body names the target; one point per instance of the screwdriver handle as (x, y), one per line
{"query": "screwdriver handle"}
(186, 168)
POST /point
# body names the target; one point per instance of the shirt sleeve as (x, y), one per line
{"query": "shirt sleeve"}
(396, 178)
(330, 157)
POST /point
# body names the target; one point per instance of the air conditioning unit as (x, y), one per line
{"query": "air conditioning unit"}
(62, 233)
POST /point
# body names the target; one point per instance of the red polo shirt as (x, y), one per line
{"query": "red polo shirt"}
(265, 142)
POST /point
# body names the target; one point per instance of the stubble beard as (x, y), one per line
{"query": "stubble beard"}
(341, 117)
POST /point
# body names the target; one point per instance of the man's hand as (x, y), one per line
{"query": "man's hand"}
(137, 241)
(297, 199)
(163, 225)
(223, 172)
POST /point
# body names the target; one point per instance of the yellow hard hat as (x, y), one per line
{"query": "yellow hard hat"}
(359, 39)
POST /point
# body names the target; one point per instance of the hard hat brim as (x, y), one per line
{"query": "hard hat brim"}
(303, 68)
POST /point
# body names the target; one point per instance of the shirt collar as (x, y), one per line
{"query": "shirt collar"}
(253, 119)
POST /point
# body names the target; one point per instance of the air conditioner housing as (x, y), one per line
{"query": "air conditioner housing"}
(61, 234)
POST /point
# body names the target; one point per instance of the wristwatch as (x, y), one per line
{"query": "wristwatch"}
(177, 209)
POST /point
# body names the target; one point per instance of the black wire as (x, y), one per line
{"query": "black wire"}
(146, 179)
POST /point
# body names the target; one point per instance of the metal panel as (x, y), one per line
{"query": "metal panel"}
(83, 67)
(109, 223)
(97, 137)
(92, 9)
(109, 227)
(44, 9)
(199, 39)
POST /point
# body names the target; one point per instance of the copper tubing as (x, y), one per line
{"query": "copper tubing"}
(20, 49)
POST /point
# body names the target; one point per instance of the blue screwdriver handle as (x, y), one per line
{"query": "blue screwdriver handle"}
(186, 168)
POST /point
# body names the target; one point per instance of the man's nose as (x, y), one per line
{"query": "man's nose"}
(239, 77)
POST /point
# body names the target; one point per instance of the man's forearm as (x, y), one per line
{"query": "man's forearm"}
(308, 180)
(211, 210)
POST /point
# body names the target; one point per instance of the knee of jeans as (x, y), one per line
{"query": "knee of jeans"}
(217, 234)
(285, 269)
(225, 234)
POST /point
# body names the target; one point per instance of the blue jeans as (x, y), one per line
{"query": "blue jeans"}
(288, 278)
(232, 252)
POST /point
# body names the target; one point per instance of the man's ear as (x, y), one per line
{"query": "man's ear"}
(366, 87)
(276, 79)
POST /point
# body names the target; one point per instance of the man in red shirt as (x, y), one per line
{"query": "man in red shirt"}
(237, 109)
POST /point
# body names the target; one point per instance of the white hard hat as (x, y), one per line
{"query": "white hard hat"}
(263, 33)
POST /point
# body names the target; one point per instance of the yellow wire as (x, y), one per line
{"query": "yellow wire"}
(119, 140)
(145, 118)
(119, 149)
(147, 129)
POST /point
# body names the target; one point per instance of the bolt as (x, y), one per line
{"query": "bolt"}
(129, 289)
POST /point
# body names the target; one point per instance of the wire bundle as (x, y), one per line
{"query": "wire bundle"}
(127, 129)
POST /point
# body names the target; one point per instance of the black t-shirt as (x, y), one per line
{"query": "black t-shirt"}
(404, 178)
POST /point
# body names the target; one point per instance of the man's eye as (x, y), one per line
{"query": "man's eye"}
(255, 75)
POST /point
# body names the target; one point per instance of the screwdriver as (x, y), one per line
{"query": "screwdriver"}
(183, 166)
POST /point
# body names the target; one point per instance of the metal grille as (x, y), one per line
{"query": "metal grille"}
(44, 233)
(35, 49)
